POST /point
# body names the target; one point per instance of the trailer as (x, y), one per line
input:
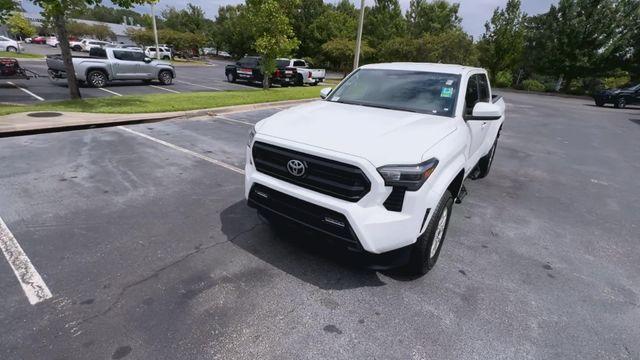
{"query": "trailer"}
(10, 69)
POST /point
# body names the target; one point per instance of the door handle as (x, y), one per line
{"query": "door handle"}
(484, 124)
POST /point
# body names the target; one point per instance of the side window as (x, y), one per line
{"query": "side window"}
(120, 55)
(136, 56)
(152, 49)
(471, 97)
(483, 88)
(300, 63)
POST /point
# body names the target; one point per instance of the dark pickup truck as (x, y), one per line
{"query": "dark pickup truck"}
(248, 69)
(620, 98)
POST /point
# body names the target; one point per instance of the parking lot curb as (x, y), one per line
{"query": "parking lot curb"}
(49, 121)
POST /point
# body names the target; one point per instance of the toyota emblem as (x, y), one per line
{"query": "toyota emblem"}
(296, 168)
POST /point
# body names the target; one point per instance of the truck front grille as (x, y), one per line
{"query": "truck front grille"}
(340, 180)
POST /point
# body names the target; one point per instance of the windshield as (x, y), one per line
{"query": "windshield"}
(417, 91)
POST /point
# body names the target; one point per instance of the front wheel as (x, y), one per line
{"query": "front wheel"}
(231, 78)
(620, 104)
(12, 49)
(426, 250)
(165, 77)
(96, 79)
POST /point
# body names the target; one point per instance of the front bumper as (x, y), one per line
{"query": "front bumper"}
(376, 229)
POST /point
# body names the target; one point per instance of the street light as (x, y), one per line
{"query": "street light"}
(356, 59)
(155, 29)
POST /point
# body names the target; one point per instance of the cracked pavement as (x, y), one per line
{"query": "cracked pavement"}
(151, 253)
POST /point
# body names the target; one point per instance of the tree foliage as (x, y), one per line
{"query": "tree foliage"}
(432, 17)
(273, 34)
(6, 7)
(339, 53)
(19, 26)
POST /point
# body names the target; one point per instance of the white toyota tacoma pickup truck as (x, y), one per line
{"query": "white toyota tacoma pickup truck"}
(378, 163)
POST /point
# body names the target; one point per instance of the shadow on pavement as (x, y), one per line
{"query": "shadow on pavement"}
(304, 255)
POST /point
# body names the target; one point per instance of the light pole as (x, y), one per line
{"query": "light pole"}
(356, 59)
(155, 29)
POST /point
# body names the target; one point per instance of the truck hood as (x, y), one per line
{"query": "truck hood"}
(381, 136)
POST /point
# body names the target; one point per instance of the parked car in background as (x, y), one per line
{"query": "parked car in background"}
(10, 45)
(76, 45)
(88, 44)
(165, 52)
(620, 98)
(248, 69)
(52, 41)
(39, 40)
(379, 163)
(305, 74)
(110, 64)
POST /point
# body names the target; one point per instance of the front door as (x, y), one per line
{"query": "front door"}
(475, 93)
(125, 67)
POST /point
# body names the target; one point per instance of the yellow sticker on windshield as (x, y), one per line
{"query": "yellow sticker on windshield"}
(446, 92)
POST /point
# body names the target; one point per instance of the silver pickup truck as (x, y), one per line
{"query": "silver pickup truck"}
(109, 64)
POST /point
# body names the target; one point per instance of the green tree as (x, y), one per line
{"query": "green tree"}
(191, 19)
(339, 53)
(101, 32)
(383, 21)
(108, 14)
(580, 38)
(432, 17)
(303, 17)
(6, 7)
(59, 11)
(231, 25)
(502, 45)
(274, 36)
(19, 26)
(331, 25)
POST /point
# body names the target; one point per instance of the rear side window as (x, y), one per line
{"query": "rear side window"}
(472, 96)
(299, 63)
(152, 49)
(483, 89)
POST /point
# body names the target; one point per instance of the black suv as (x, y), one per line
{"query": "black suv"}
(248, 69)
(620, 98)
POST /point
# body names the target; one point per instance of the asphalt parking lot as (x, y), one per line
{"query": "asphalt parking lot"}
(189, 78)
(143, 238)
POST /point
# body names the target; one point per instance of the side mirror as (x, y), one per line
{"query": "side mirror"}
(147, 60)
(486, 111)
(325, 92)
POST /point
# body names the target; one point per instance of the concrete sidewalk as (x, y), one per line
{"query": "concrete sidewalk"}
(41, 121)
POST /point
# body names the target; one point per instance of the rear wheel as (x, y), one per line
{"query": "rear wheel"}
(620, 103)
(166, 57)
(165, 77)
(299, 80)
(484, 165)
(599, 103)
(77, 48)
(426, 250)
(96, 79)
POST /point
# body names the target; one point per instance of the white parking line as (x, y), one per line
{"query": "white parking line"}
(234, 120)
(202, 86)
(165, 89)
(26, 91)
(31, 282)
(110, 92)
(186, 151)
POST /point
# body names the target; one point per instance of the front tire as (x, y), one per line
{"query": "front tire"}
(620, 103)
(599, 103)
(165, 77)
(12, 49)
(426, 250)
(231, 78)
(96, 79)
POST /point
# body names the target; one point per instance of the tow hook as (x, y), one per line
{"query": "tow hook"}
(462, 194)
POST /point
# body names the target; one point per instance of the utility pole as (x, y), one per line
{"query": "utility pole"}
(356, 59)
(155, 29)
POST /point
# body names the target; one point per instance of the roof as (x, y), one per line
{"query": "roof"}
(430, 67)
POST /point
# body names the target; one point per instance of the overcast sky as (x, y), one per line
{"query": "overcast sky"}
(474, 12)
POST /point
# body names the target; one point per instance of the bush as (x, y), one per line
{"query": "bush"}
(504, 79)
(533, 85)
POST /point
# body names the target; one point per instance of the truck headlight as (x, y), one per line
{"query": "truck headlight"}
(411, 177)
(252, 134)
